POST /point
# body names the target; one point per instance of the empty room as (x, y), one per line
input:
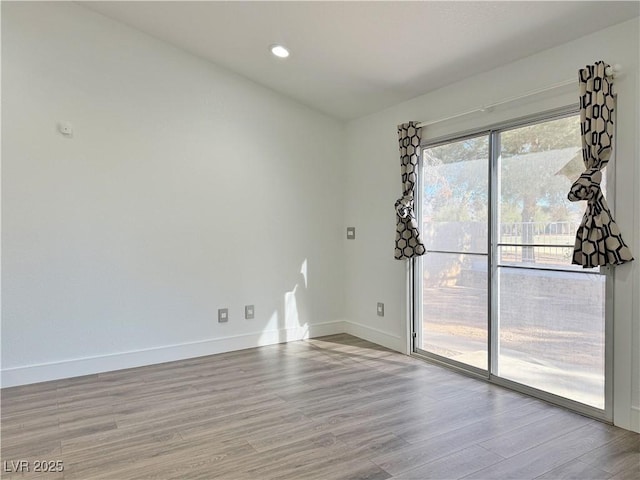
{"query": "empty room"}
(320, 240)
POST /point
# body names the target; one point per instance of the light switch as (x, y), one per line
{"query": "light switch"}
(351, 233)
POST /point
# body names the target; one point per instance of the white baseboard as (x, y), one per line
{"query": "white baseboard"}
(374, 335)
(117, 361)
(635, 419)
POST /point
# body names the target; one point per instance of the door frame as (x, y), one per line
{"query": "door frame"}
(415, 286)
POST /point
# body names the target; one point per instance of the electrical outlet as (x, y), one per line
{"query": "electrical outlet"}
(248, 312)
(351, 233)
(380, 309)
(223, 315)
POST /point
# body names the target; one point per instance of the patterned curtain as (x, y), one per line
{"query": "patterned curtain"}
(408, 244)
(598, 240)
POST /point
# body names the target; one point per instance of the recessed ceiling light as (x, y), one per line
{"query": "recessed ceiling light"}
(279, 51)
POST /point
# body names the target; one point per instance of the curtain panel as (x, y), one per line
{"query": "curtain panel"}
(598, 240)
(408, 243)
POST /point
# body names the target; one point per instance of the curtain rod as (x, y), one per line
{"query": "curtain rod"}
(609, 71)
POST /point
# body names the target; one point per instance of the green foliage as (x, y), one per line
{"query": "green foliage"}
(532, 174)
(541, 137)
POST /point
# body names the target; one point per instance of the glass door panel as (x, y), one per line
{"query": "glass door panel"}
(454, 307)
(454, 214)
(552, 332)
(455, 195)
(550, 314)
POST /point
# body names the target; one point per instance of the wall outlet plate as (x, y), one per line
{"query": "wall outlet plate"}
(249, 312)
(380, 309)
(351, 233)
(223, 315)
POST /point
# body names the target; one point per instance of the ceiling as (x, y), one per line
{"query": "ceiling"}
(349, 59)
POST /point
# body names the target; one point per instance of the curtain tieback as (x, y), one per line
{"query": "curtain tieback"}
(587, 187)
(404, 207)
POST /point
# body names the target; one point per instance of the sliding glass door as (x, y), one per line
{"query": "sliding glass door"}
(496, 290)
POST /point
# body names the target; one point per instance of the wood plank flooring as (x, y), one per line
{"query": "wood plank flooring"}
(329, 408)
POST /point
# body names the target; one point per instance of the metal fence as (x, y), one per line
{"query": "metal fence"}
(536, 242)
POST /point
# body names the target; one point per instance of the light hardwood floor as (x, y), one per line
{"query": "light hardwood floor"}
(329, 408)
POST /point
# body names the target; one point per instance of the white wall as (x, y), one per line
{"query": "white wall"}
(373, 185)
(184, 189)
